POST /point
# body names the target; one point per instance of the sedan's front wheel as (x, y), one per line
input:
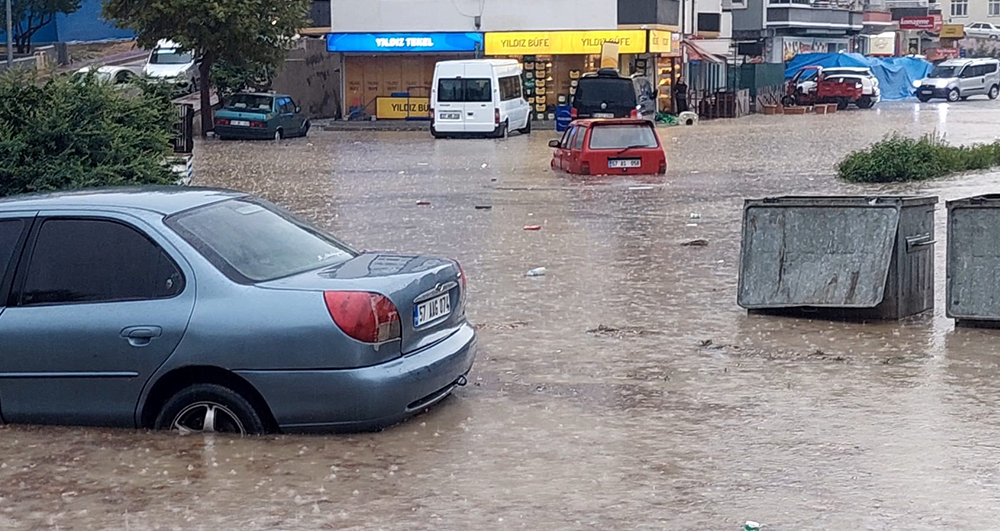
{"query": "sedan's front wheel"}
(209, 408)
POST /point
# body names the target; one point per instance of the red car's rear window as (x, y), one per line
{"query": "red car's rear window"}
(622, 136)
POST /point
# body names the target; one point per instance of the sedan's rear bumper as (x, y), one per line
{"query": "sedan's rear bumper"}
(367, 398)
(251, 133)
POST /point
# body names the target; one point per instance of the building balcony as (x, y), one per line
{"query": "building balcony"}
(906, 4)
(838, 16)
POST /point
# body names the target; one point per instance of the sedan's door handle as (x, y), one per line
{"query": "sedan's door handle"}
(140, 336)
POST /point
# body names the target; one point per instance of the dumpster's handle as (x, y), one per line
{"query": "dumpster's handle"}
(917, 242)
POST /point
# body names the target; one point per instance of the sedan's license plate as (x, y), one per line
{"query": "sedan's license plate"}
(431, 310)
(604, 115)
(451, 115)
(240, 123)
(624, 163)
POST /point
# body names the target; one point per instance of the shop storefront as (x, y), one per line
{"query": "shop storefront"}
(553, 61)
(785, 48)
(389, 75)
(665, 56)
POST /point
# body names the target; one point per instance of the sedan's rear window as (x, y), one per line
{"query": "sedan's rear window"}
(622, 136)
(254, 241)
(593, 91)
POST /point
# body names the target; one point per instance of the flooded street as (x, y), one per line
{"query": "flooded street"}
(623, 390)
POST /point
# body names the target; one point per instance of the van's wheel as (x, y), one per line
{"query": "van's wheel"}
(209, 408)
(787, 101)
(953, 95)
(994, 91)
(503, 132)
(526, 130)
(865, 102)
(842, 103)
(923, 99)
(278, 134)
(435, 134)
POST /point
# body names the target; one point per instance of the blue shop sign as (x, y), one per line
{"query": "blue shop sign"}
(403, 42)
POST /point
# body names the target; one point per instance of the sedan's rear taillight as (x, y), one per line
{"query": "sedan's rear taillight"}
(258, 124)
(221, 121)
(634, 113)
(367, 317)
(574, 113)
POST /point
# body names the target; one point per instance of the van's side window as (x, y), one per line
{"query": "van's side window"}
(991, 68)
(510, 88)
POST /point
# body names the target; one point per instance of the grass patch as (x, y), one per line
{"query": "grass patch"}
(899, 159)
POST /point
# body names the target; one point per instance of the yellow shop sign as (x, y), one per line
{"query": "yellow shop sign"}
(563, 42)
(402, 108)
(952, 31)
(659, 41)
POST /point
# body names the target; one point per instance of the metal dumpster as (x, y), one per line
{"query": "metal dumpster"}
(841, 257)
(972, 289)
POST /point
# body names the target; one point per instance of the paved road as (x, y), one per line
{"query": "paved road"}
(568, 424)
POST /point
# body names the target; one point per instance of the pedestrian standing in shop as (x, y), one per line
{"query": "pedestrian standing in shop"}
(681, 95)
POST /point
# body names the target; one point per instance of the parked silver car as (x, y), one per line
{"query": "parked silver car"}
(211, 310)
(958, 79)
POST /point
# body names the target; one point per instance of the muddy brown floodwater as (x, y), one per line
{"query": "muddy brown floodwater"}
(597, 401)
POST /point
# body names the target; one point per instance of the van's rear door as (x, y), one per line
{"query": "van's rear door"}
(449, 92)
(478, 101)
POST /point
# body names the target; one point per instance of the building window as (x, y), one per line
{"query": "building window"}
(994, 8)
(960, 8)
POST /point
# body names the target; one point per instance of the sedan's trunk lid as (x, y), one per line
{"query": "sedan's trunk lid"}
(426, 291)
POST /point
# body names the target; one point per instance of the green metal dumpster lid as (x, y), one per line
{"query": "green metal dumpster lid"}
(818, 251)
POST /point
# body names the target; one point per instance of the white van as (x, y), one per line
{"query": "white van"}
(482, 97)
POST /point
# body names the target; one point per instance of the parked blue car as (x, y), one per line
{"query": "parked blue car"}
(260, 116)
(202, 310)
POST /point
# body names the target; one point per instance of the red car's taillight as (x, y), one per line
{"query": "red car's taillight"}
(634, 113)
(496, 116)
(585, 168)
(573, 113)
(367, 317)
(663, 167)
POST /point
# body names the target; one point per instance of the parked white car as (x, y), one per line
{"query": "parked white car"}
(168, 63)
(982, 30)
(115, 75)
(870, 91)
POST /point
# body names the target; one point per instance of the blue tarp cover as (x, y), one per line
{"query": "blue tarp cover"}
(895, 74)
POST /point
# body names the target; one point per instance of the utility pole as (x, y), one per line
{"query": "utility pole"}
(10, 37)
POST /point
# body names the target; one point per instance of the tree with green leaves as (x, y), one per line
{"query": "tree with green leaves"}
(234, 31)
(68, 133)
(32, 15)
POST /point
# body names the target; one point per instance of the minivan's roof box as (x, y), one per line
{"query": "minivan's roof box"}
(607, 72)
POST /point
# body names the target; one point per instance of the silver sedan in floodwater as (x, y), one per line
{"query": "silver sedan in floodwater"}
(210, 310)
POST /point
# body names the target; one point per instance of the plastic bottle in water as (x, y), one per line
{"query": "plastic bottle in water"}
(536, 272)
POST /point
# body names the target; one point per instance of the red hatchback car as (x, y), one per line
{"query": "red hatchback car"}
(610, 147)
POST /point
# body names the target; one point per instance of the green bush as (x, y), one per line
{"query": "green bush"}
(897, 159)
(66, 134)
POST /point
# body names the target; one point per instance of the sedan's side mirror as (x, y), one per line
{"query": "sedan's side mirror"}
(553, 143)
(298, 109)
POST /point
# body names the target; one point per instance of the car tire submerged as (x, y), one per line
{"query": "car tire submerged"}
(278, 134)
(953, 95)
(209, 408)
(994, 92)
